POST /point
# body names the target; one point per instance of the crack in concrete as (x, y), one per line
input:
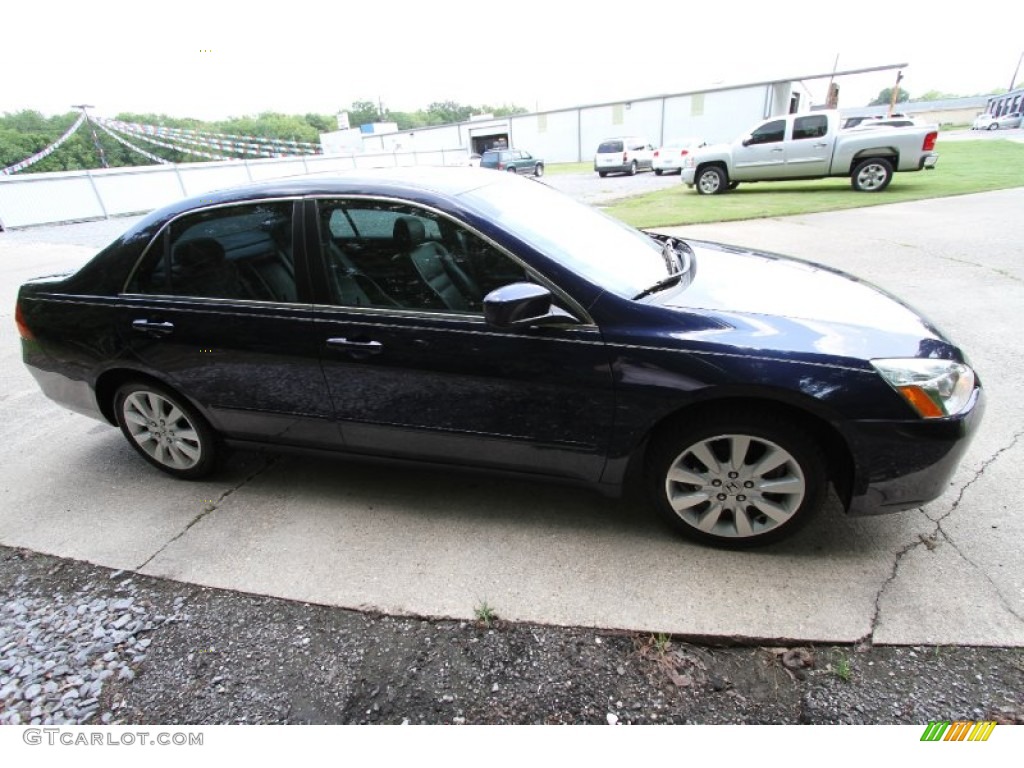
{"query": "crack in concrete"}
(929, 542)
(209, 508)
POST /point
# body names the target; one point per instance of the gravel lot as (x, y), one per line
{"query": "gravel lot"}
(82, 644)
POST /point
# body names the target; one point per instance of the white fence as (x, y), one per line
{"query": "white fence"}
(49, 198)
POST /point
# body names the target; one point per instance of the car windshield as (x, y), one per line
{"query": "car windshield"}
(608, 253)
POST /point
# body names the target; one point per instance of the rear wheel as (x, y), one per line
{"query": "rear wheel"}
(994, 127)
(658, 171)
(872, 175)
(632, 168)
(538, 169)
(166, 431)
(511, 169)
(602, 174)
(712, 180)
(736, 481)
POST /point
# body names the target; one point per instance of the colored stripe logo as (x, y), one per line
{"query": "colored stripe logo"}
(960, 730)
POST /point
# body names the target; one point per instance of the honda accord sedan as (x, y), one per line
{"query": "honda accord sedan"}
(466, 318)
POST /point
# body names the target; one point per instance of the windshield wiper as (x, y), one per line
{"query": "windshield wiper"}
(683, 261)
(665, 282)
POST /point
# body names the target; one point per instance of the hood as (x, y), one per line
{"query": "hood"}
(763, 300)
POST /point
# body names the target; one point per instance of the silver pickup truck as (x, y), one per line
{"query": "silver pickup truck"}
(812, 146)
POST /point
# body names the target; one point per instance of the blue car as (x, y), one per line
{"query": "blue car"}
(465, 318)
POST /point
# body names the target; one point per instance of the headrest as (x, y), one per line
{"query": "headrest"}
(409, 232)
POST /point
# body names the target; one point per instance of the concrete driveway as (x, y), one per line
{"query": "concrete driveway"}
(441, 544)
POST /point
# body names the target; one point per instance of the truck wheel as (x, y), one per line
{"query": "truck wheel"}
(712, 181)
(872, 175)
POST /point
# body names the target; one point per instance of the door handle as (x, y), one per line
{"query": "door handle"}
(366, 347)
(777, 149)
(148, 326)
(821, 146)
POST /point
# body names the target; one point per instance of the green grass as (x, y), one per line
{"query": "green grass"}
(964, 167)
(558, 168)
(485, 614)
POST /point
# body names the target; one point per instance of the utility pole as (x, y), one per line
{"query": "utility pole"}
(95, 138)
(895, 92)
(1013, 80)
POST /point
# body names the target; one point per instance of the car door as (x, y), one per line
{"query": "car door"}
(413, 369)
(809, 151)
(762, 154)
(218, 308)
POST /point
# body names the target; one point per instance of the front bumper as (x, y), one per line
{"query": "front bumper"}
(904, 464)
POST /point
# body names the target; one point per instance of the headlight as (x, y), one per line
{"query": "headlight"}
(935, 388)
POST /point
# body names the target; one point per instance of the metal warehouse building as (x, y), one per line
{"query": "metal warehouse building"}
(572, 134)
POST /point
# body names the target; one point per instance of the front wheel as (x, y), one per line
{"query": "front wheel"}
(538, 170)
(994, 127)
(168, 432)
(712, 181)
(872, 175)
(736, 481)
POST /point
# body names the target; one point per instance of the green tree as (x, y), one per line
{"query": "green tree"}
(885, 96)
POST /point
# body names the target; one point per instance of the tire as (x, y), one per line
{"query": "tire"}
(512, 169)
(602, 174)
(658, 171)
(632, 169)
(712, 181)
(994, 127)
(538, 170)
(706, 480)
(871, 175)
(166, 431)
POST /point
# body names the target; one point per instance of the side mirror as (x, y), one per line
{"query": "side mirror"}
(523, 305)
(746, 141)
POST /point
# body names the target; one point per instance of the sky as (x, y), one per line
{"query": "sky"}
(213, 60)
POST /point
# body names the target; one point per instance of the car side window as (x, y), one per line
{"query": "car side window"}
(237, 252)
(810, 127)
(769, 132)
(405, 257)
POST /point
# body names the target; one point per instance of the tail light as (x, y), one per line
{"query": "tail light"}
(625, 156)
(684, 153)
(929, 141)
(656, 152)
(19, 320)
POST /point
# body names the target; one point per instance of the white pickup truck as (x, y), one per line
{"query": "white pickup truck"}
(812, 146)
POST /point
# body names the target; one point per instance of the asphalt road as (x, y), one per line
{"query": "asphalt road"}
(441, 544)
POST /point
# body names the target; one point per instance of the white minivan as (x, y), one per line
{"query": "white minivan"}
(624, 154)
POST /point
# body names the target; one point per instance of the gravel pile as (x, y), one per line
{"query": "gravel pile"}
(57, 651)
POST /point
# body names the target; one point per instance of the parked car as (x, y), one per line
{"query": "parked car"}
(624, 154)
(513, 161)
(987, 122)
(811, 146)
(461, 318)
(670, 156)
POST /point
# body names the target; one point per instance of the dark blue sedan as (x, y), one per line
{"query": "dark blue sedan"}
(464, 318)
